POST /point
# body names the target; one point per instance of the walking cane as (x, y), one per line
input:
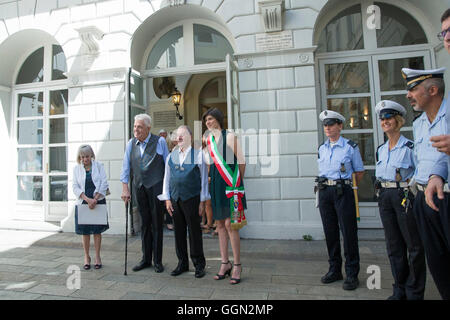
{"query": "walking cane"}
(126, 236)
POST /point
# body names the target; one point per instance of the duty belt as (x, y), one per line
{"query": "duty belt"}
(392, 185)
(421, 187)
(335, 182)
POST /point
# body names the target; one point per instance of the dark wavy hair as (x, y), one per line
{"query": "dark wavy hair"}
(446, 15)
(216, 114)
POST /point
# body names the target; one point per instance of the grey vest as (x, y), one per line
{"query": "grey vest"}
(185, 180)
(147, 170)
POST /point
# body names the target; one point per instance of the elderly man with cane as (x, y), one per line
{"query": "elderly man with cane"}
(145, 156)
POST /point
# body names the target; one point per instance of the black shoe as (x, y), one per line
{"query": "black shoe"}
(159, 268)
(200, 272)
(179, 270)
(351, 283)
(141, 265)
(331, 277)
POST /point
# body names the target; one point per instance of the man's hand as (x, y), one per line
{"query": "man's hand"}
(125, 193)
(169, 207)
(435, 185)
(441, 143)
(201, 209)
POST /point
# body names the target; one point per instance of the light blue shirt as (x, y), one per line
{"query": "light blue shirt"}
(161, 149)
(443, 163)
(427, 157)
(401, 157)
(331, 157)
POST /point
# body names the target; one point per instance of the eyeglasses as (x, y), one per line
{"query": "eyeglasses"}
(441, 35)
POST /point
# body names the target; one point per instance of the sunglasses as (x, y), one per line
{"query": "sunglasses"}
(387, 116)
(441, 35)
(330, 123)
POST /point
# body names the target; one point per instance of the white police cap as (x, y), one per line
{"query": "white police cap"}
(388, 106)
(413, 77)
(329, 114)
(162, 131)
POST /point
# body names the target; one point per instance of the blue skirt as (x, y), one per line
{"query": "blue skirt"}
(86, 229)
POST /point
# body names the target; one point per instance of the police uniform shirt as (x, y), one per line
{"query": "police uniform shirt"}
(427, 157)
(401, 156)
(443, 163)
(332, 156)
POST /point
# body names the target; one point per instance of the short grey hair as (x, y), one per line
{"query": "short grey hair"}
(83, 150)
(436, 82)
(187, 129)
(144, 117)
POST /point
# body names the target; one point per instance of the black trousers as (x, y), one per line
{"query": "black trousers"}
(338, 212)
(402, 237)
(434, 230)
(185, 217)
(151, 213)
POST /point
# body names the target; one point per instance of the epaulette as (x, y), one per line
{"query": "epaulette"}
(410, 144)
(318, 153)
(352, 143)
(376, 156)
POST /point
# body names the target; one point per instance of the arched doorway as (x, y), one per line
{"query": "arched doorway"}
(180, 44)
(358, 66)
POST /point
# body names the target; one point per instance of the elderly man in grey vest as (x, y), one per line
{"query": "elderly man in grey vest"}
(145, 156)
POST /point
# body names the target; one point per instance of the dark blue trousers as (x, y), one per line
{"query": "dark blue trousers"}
(338, 213)
(404, 246)
(434, 230)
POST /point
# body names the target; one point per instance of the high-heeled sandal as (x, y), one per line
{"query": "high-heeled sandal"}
(87, 266)
(236, 280)
(228, 272)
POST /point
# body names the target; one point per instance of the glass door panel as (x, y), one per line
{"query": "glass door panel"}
(356, 111)
(347, 78)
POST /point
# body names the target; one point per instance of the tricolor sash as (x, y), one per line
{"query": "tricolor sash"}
(234, 191)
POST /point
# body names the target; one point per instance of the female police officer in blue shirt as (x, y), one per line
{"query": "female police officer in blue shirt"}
(395, 166)
(338, 159)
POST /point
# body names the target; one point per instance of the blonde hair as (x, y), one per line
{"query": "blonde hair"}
(400, 121)
(85, 149)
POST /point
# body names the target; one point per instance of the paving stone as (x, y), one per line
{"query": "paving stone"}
(99, 294)
(230, 294)
(51, 290)
(203, 293)
(14, 295)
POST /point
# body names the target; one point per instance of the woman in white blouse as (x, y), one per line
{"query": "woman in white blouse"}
(90, 187)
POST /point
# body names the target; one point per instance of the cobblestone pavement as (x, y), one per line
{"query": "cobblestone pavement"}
(34, 265)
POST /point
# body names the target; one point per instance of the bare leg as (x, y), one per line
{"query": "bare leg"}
(223, 243)
(98, 245)
(209, 213)
(86, 244)
(236, 247)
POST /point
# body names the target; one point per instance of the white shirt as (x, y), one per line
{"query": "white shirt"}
(202, 165)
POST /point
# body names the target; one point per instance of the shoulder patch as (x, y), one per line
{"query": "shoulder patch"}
(410, 144)
(376, 156)
(352, 143)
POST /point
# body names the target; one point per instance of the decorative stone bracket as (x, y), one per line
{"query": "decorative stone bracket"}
(90, 45)
(272, 14)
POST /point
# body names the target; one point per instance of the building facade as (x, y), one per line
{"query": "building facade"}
(76, 71)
